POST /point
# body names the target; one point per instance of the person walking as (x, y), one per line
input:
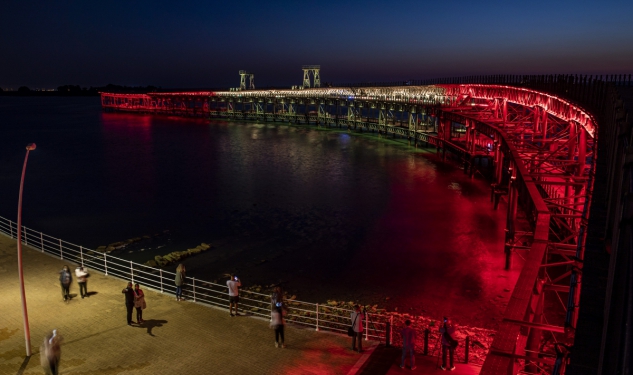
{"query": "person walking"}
(357, 318)
(447, 330)
(82, 279)
(180, 280)
(51, 353)
(408, 344)
(139, 303)
(65, 279)
(234, 295)
(129, 302)
(277, 322)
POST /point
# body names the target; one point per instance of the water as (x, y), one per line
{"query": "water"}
(331, 214)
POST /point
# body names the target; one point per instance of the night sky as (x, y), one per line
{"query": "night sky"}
(203, 44)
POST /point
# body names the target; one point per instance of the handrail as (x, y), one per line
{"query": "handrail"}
(318, 316)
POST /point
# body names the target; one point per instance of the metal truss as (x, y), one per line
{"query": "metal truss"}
(552, 143)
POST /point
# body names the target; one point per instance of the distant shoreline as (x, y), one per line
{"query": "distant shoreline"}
(46, 93)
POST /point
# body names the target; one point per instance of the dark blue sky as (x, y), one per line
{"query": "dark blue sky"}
(196, 44)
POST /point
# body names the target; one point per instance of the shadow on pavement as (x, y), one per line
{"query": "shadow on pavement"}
(24, 364)
(91, 294)
(380, 361)
(151, 324)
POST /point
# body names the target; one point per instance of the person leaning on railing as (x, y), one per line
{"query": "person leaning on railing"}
(180, 280)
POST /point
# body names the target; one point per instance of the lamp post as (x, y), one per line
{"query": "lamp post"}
(25, 315)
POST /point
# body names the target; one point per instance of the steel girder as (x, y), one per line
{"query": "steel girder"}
(553, 141)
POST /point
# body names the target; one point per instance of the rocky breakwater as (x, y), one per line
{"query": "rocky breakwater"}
(120, 244)
(176, 256)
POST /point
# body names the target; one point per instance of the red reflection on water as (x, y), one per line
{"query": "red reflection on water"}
(445, 246)
(129, 156)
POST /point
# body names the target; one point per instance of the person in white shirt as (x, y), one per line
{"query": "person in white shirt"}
(357, 318)
(233, 283)
(82, 279)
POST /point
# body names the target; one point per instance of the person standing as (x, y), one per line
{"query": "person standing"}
(408, 344)
(129, 302)
(139, 303)
(180, 281)
(277, 322)
(82, 280)
(447, 330)
(357, 318)
(51, 353)
(234, 295)
(65, 278)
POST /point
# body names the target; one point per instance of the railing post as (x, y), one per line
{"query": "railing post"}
(193, 284)
(388, 333)
(390, 329)
(160, 272)
(317, 317)
(26, 240)
(10, 228)
(132, 271)
(426, 341)
(466, 349)
(81, 255)
(105, 263)
(61, 251)
(366, 327)
(42, 241)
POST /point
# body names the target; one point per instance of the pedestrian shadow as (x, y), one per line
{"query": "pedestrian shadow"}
(151, 324)
(91, 294)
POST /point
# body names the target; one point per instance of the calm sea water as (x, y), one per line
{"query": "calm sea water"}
(329, 213)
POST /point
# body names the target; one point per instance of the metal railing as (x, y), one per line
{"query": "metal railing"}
(318, 316)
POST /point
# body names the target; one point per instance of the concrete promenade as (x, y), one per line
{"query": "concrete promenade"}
(176, 338)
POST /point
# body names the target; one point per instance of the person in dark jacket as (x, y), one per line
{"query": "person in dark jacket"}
(129, 302)
(65, 278)
(408, 344)
(447, 330)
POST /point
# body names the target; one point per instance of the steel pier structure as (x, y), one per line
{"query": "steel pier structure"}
(542, 149)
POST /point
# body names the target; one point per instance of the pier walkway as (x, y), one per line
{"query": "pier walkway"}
(176, 338)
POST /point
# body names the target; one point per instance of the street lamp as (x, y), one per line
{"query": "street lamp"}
(25, 315)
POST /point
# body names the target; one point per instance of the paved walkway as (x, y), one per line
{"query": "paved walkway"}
(177, 338)
(386, 361)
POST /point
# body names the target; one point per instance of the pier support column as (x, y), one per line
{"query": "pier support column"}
(511, 217)
(532, 347)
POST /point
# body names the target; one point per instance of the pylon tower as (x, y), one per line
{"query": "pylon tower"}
(243, 75)
(315, 70)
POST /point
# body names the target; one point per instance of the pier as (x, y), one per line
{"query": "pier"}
(540, 143)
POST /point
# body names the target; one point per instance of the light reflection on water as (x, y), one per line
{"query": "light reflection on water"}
(331, 213)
